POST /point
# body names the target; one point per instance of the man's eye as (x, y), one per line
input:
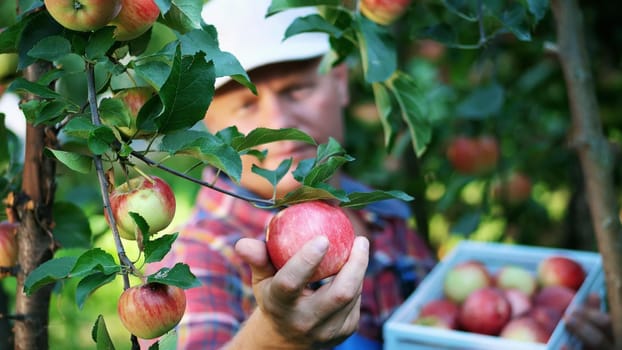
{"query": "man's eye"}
(301, 91)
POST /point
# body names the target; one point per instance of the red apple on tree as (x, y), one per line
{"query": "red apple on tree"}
(383, 12)
(152, 198)
(83, 15)
(8, 246)
(150, 310)
(485, 311)
(559, 270)
(473, 155)
(440, 313)
(294, 226)
(512, 189)
(134, 19)
(464, 278)
(8, 65)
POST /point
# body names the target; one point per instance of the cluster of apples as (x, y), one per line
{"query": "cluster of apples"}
(131, 18)
(512, 302)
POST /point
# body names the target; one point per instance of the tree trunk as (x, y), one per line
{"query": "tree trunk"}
(36, 244)
(594, 151)
(6, 336)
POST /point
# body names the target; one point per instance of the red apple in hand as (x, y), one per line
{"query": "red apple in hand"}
(559, 270)
(153, 199)
(440, 313)
(135, 18)
(464, 278)
(293, 226)
(83, 15)
(8, 246)
(485, 311)
(149, 311)
(383, 12)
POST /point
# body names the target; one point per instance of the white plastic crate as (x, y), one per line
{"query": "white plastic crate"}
(401, 334)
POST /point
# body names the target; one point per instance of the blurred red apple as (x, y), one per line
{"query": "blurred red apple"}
(440, 313)
(559, 270)
(524, 329)
(516, 277)
(473, 155)
(383, 12)
(83, 15)
(556, 297)
(8, 246)
(465, 278)
(134, 19)
(294, 226)
(149, 311)
(485, 311)
(547, 317)
(519, 300)
(153, 199)
(513, 189)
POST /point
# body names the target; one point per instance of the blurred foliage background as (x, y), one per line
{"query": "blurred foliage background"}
(510, 87)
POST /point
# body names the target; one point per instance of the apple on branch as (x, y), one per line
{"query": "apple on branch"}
(150, 310)
(383, 12)
(295, 225)
(152, 199)
(83, 15)
(135, 18)
(8, 65)
(134, 99)
(8, 246)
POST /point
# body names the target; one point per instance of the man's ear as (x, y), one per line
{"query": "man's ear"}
(340, 74)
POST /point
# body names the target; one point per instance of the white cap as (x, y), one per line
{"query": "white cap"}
(256, 40)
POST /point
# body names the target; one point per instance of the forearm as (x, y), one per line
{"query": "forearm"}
(258, 333)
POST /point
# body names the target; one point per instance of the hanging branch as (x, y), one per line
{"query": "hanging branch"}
(593, 149)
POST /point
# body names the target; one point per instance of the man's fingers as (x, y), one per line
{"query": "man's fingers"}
(293, 277)
(591, 326)
(254, 253)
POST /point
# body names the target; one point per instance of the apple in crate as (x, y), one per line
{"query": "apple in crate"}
(560, 271)
(516, 277)
(556, 297)
(485, 311)
(524, 328)
(439, 313)
(519, 300)
(464, 278)
(547, 317)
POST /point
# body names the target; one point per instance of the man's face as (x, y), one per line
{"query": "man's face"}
(289, 95)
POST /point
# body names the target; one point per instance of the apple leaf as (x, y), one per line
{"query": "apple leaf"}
(74, 161)
(94, 260)
(79, 126)
(89, 284)
(179, 275)
(4, 146)
(100, 335)
(361, 199)
(100, 139)
(181, 15)
(187, 92)
(166, 342)
(51, 48)
(49, 272)
(378, 54)
(281, 5)
(113, 112)
(71, 226)
(320, 191)
(274, 176)
(261, 136)
(482, 102)
(156, 249)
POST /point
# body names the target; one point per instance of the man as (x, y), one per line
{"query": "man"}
(243, 302)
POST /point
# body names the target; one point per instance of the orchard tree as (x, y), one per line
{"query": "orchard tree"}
(146, 86)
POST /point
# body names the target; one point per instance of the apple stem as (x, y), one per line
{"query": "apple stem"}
(143, 174)
(103, 181)
(252, 200)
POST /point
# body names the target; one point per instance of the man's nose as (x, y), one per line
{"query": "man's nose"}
(277, 113)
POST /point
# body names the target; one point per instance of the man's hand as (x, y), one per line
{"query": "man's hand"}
(591, 325)
(300, 317)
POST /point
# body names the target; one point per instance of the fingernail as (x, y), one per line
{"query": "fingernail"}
(362, 244)
(320, 243)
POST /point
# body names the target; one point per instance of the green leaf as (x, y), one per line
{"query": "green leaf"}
(156, 249)
(281, 5)
(50, 271)
(325, 171)
(312, 24)
(538, 8)
(187, 93)
(74, 161)
(273, 176)
(79, 126)
(101, 336)
(260, 136)
(38, 26)
(4, 146)
(515, 19)
(94, 260)
(413, 110)
(467, 223)
(377, 49)
(51, 48)
(183, 15)
(99, 43)
(71, 226)
(383, 102)
(100, 139)
(361, 199)
(166, 342)
(179, 275)
(307, 193)
(482, 102)
(113, 112)
(21, 85)
(89, 284)
(141, 224)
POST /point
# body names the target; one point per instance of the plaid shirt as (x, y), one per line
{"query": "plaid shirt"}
(215, 310)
